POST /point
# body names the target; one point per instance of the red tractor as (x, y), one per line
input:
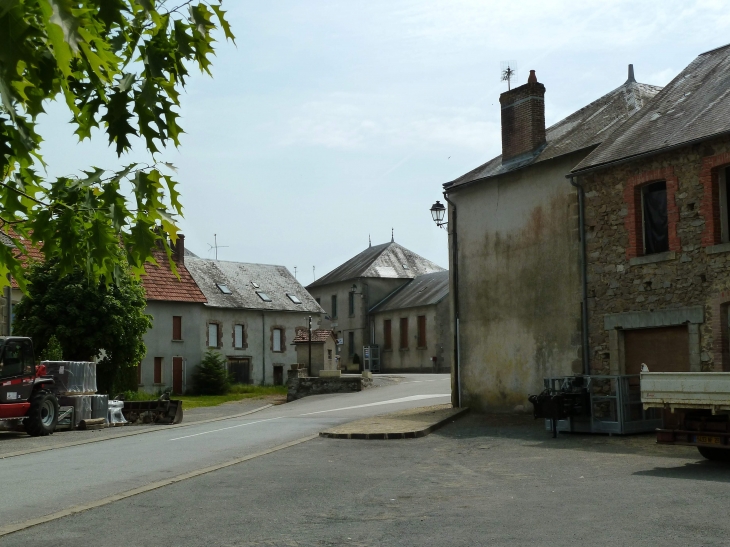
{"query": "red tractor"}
(24, 393)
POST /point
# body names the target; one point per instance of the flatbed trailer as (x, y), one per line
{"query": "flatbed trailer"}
(700, 402)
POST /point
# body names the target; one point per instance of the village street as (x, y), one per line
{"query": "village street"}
(484, 480)
(77, 475)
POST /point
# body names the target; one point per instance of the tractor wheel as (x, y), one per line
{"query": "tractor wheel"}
(43, 414)
(715, 454)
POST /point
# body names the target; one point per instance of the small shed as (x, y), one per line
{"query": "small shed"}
(324, 349)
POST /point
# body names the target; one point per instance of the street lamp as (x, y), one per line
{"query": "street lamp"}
(437, 213)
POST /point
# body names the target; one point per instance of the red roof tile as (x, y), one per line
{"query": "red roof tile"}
(318, 335)
(161, 284)
(32, 252)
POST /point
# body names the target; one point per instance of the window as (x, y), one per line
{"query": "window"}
(404, 333)
(654, 209)
(263, 296)
(17, 359)
(213, 335)
(254, 285)
(351, 343)
(387, 335)
(177, 327)
(421, 331)
(294, 298)
(223, 288)
(724, 196)
(319, 300)
(334, 306)
(157, 374)
(351, 303)
(277, 341)
(238, 336)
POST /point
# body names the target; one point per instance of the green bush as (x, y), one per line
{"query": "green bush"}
(52, 351)
(210, 376)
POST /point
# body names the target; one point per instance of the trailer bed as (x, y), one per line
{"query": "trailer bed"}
(686, 390)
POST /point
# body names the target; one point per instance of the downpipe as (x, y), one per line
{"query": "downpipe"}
(455, 272)
(584, 275)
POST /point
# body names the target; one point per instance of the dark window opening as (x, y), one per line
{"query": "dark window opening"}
(656, 227)
(421, 331)
(351, 304)
(387, 335)
(334, 306)
(404, 333)
(351, 343)
(157, 379)
(177, 327)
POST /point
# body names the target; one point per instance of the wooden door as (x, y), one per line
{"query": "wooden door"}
(664, 349)
(278, 375)
(177, 375)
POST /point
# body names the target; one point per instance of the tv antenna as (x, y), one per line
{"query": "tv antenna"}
(216, 246)
(508, 72)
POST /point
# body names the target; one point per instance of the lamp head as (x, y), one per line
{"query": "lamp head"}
(437, 212)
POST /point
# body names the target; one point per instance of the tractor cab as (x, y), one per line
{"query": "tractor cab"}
(23, 387)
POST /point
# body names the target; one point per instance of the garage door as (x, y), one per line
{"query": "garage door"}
(664, 349)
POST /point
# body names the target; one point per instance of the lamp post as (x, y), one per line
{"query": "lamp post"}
(438, 210)
(437, 213)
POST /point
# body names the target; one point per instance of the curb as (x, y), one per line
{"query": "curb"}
(414, 434)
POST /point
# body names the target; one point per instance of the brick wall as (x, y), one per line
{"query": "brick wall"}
(689, 277)
(523, 120)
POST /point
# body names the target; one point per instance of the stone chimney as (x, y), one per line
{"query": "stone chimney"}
(523, 119)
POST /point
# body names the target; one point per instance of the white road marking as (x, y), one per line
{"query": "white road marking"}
(224, 428)
(390, 402)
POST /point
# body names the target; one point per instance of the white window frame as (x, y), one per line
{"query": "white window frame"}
(213, 340)
(276, 344)
(238, 336)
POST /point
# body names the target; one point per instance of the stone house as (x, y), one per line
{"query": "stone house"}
(247, 312)
(323, 349)
(515, 248)
(412, 327)
(349, 293)
(657, 230)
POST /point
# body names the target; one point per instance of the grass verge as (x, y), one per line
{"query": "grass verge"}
(237, 392)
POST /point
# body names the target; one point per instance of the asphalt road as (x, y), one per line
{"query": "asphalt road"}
(484, 480)
(42, 483)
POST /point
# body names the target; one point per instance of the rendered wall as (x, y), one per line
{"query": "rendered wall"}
(519, 283)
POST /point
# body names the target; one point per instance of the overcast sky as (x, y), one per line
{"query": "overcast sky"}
(334, 120)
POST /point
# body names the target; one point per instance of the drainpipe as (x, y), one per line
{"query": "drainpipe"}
(455, 272)
(583, 275)
(9, 305)
(309, 366)
(263, 349)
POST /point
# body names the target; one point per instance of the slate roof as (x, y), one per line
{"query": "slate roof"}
(161, 284)
(319, 336)
(424, 290)
(239, 278)
(388, 260)
(693, 106)
(583, 129)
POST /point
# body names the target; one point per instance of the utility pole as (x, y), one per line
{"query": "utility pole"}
(309, 368)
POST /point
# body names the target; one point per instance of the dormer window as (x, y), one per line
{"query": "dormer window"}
(294, 298)
(263, 296)
(223, 288)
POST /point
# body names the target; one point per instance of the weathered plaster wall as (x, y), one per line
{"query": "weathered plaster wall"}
(688, 277)
(415, 359)
(519, 283)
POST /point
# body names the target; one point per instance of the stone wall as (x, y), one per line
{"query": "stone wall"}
(304, 386)
(693, 275)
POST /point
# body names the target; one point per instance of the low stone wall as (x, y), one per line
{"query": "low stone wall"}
(303, 386)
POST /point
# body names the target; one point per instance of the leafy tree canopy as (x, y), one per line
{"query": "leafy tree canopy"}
(119, 66)
(85, 318)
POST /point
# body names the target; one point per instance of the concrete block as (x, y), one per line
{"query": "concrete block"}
(330, 373)
(367, 374)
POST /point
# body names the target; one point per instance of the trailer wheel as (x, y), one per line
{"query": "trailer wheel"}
(715, 454)
(42, 415)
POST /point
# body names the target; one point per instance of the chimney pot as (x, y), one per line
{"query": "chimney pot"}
(631, 75)
(180, 249)
(532, 78)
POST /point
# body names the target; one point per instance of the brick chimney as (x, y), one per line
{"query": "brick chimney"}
(523, 119)
(179, 249)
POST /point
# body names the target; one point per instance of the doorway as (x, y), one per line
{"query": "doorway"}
(240, 370)
(278, 375)
(177, 375)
